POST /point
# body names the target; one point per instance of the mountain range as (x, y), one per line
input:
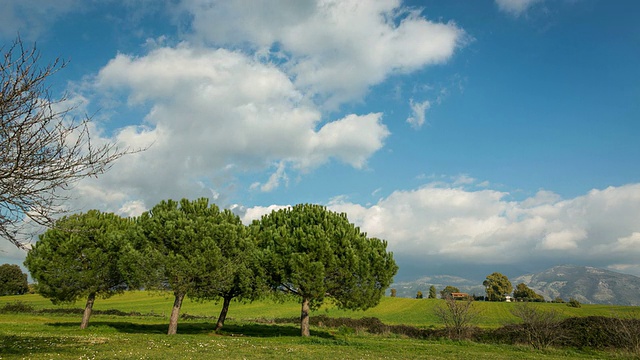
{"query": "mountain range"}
(586, 284)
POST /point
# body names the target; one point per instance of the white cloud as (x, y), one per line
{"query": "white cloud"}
(256, 212)
(418, 109)
(351, 139)
(335, 50)
(274, 179)
(445, 223)
(132, 208)
(516, 7)
(212, 113)
(627, 243)
(565, 239)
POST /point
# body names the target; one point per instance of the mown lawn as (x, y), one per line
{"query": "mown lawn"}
(248, 336)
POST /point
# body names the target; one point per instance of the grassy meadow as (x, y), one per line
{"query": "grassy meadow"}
(251, 332)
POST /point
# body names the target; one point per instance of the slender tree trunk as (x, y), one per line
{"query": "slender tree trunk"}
(223, 312)
(175, 313)
(87, 310)
(304, 317)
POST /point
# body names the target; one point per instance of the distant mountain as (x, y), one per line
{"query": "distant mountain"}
(410, 288)
(586, 284)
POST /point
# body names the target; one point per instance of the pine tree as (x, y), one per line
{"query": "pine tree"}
(314, 253)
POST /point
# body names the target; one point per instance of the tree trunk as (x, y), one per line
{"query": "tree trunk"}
(175, 313)
(304, 317)
(87, 310)
(223, 313)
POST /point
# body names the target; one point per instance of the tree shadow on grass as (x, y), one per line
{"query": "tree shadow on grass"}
(36, 345)
(191, 328)
(264, 330)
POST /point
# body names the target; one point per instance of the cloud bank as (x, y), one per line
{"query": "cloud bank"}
(445, 223)
(334, 50)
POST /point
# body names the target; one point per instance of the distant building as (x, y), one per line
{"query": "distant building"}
(508, 298)
(459, 296)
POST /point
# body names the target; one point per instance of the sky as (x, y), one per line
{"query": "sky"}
(473, 136)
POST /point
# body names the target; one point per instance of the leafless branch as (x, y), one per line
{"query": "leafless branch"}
(541, 328)
(457, 316)
(44, 150)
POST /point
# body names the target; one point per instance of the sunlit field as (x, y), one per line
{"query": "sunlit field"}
(253, 330)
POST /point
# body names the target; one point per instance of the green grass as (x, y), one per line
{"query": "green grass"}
(54, 336)
(58, 337)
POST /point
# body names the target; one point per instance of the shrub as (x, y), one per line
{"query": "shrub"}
(16, 307)
(574, 303)
(540, 328)
(457, 316)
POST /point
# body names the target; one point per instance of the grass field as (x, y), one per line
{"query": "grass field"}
(248, 336)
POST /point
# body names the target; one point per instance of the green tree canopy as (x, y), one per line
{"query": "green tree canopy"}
(183, 251)
(446, 292)
(432, 292)
(497, 286)
(241, 256)
(12, 280)
(313, 253)
(523, 292)
(83, 256)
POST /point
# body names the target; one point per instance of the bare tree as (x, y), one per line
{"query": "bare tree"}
(457, 316)
(541, 328)
(626, 331)
(44, 150)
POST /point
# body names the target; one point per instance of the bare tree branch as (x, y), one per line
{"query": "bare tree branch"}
(541, 328)
(44, 150)
(458, 316)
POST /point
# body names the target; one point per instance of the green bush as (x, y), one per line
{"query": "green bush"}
(574, 303)
(16, 307)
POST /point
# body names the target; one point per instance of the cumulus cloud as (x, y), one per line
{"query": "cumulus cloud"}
(445, 223)
(335, 50)
(212, 112)
(516, 7)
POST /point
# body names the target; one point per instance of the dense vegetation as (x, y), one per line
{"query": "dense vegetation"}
(193, 248)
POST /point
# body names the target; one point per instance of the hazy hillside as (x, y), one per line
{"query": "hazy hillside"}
(586, 284)
(410, 288)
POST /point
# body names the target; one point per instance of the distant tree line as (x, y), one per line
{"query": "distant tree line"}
(195, 249)
(497, 288)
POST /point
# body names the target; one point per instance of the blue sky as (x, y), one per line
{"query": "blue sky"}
(474, 136)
